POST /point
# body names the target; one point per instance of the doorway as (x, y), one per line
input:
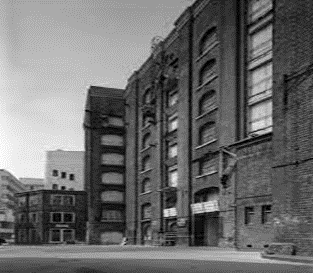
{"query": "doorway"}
(206, 229)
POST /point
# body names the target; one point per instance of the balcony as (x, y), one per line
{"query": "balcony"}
(204, 207)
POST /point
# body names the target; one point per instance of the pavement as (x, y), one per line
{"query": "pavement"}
(288, 258)
(95, 259)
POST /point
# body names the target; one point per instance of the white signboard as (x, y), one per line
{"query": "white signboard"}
(171, 212)
(204, 207)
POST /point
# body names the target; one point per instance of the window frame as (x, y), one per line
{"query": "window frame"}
(170, 170)
(144, 161)
(172, 150)
(204, 75)
(143, 185)
(266, 214)
(202, 163)
(203, 47)
(207, 126)
(145, 138)
(249, 215)
(144, 208)
(170, 121)
(55, 173)
(169, 98)
(51, 217)
(209, 96)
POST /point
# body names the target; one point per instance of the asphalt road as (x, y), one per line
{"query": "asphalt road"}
(89, 259)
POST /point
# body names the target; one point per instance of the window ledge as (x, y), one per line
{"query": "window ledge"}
(147, 126)
(205, 144)
(144, 193)
(213, 77)
(145, 149)
(207, 174)
(145, 220)
(111, 221)
(207, 50)
(145, 171)
(206, 113)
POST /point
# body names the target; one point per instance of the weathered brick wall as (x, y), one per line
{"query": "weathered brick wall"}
(253, 189)
(293, 113)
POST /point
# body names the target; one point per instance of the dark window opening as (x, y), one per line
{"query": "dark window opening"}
(249, 212)
(63, 175)
(55, 173)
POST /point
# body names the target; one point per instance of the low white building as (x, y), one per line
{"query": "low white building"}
(9, 185)
(32, 184)
(64, 170)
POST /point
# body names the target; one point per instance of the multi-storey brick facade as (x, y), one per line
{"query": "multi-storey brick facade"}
(218, 129)
(200, 61)
(104, 165)
(50, 216)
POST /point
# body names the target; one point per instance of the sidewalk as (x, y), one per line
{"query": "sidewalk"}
(288, 258)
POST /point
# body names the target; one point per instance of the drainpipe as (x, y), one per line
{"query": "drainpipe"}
(190, 93)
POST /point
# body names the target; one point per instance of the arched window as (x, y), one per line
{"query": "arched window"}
(207, 133)
(208, 39)
(146, 185)
(146, 163)
(207, 71)
(207, 102)
(112, 140)
(207, 194)
(146, 141)
(112, 159)
(146, 211)
(147, 97)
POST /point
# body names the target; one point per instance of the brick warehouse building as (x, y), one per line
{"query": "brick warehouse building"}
(104, 165)
(50, 216)
(217, 151)
(209, 160)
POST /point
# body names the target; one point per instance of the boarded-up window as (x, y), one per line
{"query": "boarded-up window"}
(116, 121)
(112, 196)
(111, 238)
(207, 103)
(112, 178)
(114, 215)
(207, 71)
(207, 133)
(112, 159)
(112, 140)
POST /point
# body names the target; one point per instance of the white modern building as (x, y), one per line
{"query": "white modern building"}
(64, 170)
(9, 185)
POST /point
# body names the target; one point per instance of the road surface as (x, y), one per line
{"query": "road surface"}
(96, 259)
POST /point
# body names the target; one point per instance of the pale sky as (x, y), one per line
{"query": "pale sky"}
(51, 51)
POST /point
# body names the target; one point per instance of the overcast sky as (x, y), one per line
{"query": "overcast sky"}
(51, 51)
